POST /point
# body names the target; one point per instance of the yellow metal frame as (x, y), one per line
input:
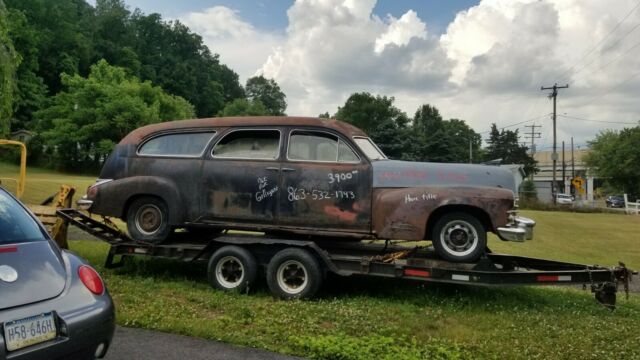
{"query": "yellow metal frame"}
(23, 165)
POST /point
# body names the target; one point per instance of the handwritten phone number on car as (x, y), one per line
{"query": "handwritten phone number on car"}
(295, 194)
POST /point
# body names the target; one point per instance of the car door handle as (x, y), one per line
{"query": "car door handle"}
(288, 169)
(273, 168)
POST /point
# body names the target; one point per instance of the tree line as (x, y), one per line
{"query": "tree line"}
(427, 136)
(82, 77)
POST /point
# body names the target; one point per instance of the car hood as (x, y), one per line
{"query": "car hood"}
(399, 174)
(41, 273)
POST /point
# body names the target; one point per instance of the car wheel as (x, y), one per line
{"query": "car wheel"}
(294, 273)
(459, 237)
(148, 220)
(233, 269)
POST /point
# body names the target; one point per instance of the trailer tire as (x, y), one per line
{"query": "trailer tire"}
(294, 273)
(459, 237)
(233, 269)
(148, 219)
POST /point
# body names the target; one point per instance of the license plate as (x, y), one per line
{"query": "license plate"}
(26, 332)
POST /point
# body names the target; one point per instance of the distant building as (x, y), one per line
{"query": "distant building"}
(544, 177)
(21, 135)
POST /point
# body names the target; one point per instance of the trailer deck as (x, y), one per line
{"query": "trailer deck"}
(369, 259)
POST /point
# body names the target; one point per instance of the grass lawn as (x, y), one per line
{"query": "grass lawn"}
(42, 183)
(363, 318)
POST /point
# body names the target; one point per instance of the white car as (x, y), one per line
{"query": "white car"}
(564, 199)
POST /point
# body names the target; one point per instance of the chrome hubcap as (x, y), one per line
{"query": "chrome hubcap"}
(459, 238)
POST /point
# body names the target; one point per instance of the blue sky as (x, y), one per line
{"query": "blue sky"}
(485, 67)
(271, 15)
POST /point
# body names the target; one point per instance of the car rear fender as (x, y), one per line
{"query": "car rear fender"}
(113, 198)
(405, 213)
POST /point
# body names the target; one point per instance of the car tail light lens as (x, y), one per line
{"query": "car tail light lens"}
(91, 279)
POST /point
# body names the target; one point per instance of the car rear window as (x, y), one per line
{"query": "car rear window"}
(183, 144)
(249, 144)
(16, 225)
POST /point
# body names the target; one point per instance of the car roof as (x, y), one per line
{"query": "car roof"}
(139, 134)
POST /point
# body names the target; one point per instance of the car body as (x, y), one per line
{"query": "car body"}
(46, 310)
(564, 199)
(302, 176)
(615, 201)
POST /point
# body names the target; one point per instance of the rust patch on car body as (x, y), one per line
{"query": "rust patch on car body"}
(403, 213)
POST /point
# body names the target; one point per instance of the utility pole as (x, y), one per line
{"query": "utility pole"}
(564, 176)
(533, 134)
(470, 152)
(573, 168)
(554, 155)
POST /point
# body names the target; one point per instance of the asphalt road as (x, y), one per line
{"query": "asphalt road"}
(138, 344)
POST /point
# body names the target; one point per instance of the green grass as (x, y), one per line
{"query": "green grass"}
(593, 238)
(362, 318)
(42, 183)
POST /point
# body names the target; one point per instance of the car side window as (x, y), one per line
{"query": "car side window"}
(183, 144)
(319, 146)
(249, 144)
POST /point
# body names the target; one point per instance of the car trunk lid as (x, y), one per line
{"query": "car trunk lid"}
(29, 273)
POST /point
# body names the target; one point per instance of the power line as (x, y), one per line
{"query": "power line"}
(600, 121)
(602, 94)
(586, 54)
(516, 124)
(595, 58)
(613, 60)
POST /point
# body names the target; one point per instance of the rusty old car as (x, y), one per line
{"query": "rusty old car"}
(306, 178)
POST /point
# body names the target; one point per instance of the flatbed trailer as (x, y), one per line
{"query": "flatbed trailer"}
(291, 263)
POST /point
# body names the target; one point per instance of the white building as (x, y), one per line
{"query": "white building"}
(573, 168)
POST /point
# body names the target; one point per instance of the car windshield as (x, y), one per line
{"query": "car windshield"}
(369, 148)
(16, 225)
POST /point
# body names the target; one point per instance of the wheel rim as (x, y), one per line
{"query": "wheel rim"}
(292, 277)
(230, 272)
(459, 238)
(148, 219)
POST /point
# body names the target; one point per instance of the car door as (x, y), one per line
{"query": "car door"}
(326, 184)
(240, 177)
(177, 157)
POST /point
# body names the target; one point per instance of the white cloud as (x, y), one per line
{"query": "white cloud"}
(487, 67)
(401, 31)
(239, 44)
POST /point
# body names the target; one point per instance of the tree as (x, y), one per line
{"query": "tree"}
(9, 60)
(268, 92)
(441, 140)
(378, 117)
(615, 157)
(31, 90)
(86, 119)
(504, 145)
(244, 107)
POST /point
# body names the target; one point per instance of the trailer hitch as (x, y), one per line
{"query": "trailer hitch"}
(606, 292)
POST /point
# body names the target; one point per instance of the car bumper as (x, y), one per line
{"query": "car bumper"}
(84, 331)
(84, 203)
(520, 229)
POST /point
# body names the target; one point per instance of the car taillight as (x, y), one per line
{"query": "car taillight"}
(91, 279)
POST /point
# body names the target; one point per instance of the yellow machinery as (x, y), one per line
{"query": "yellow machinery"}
(56, 226)
(23, 166)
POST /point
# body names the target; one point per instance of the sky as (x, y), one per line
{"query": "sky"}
(480, 61)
